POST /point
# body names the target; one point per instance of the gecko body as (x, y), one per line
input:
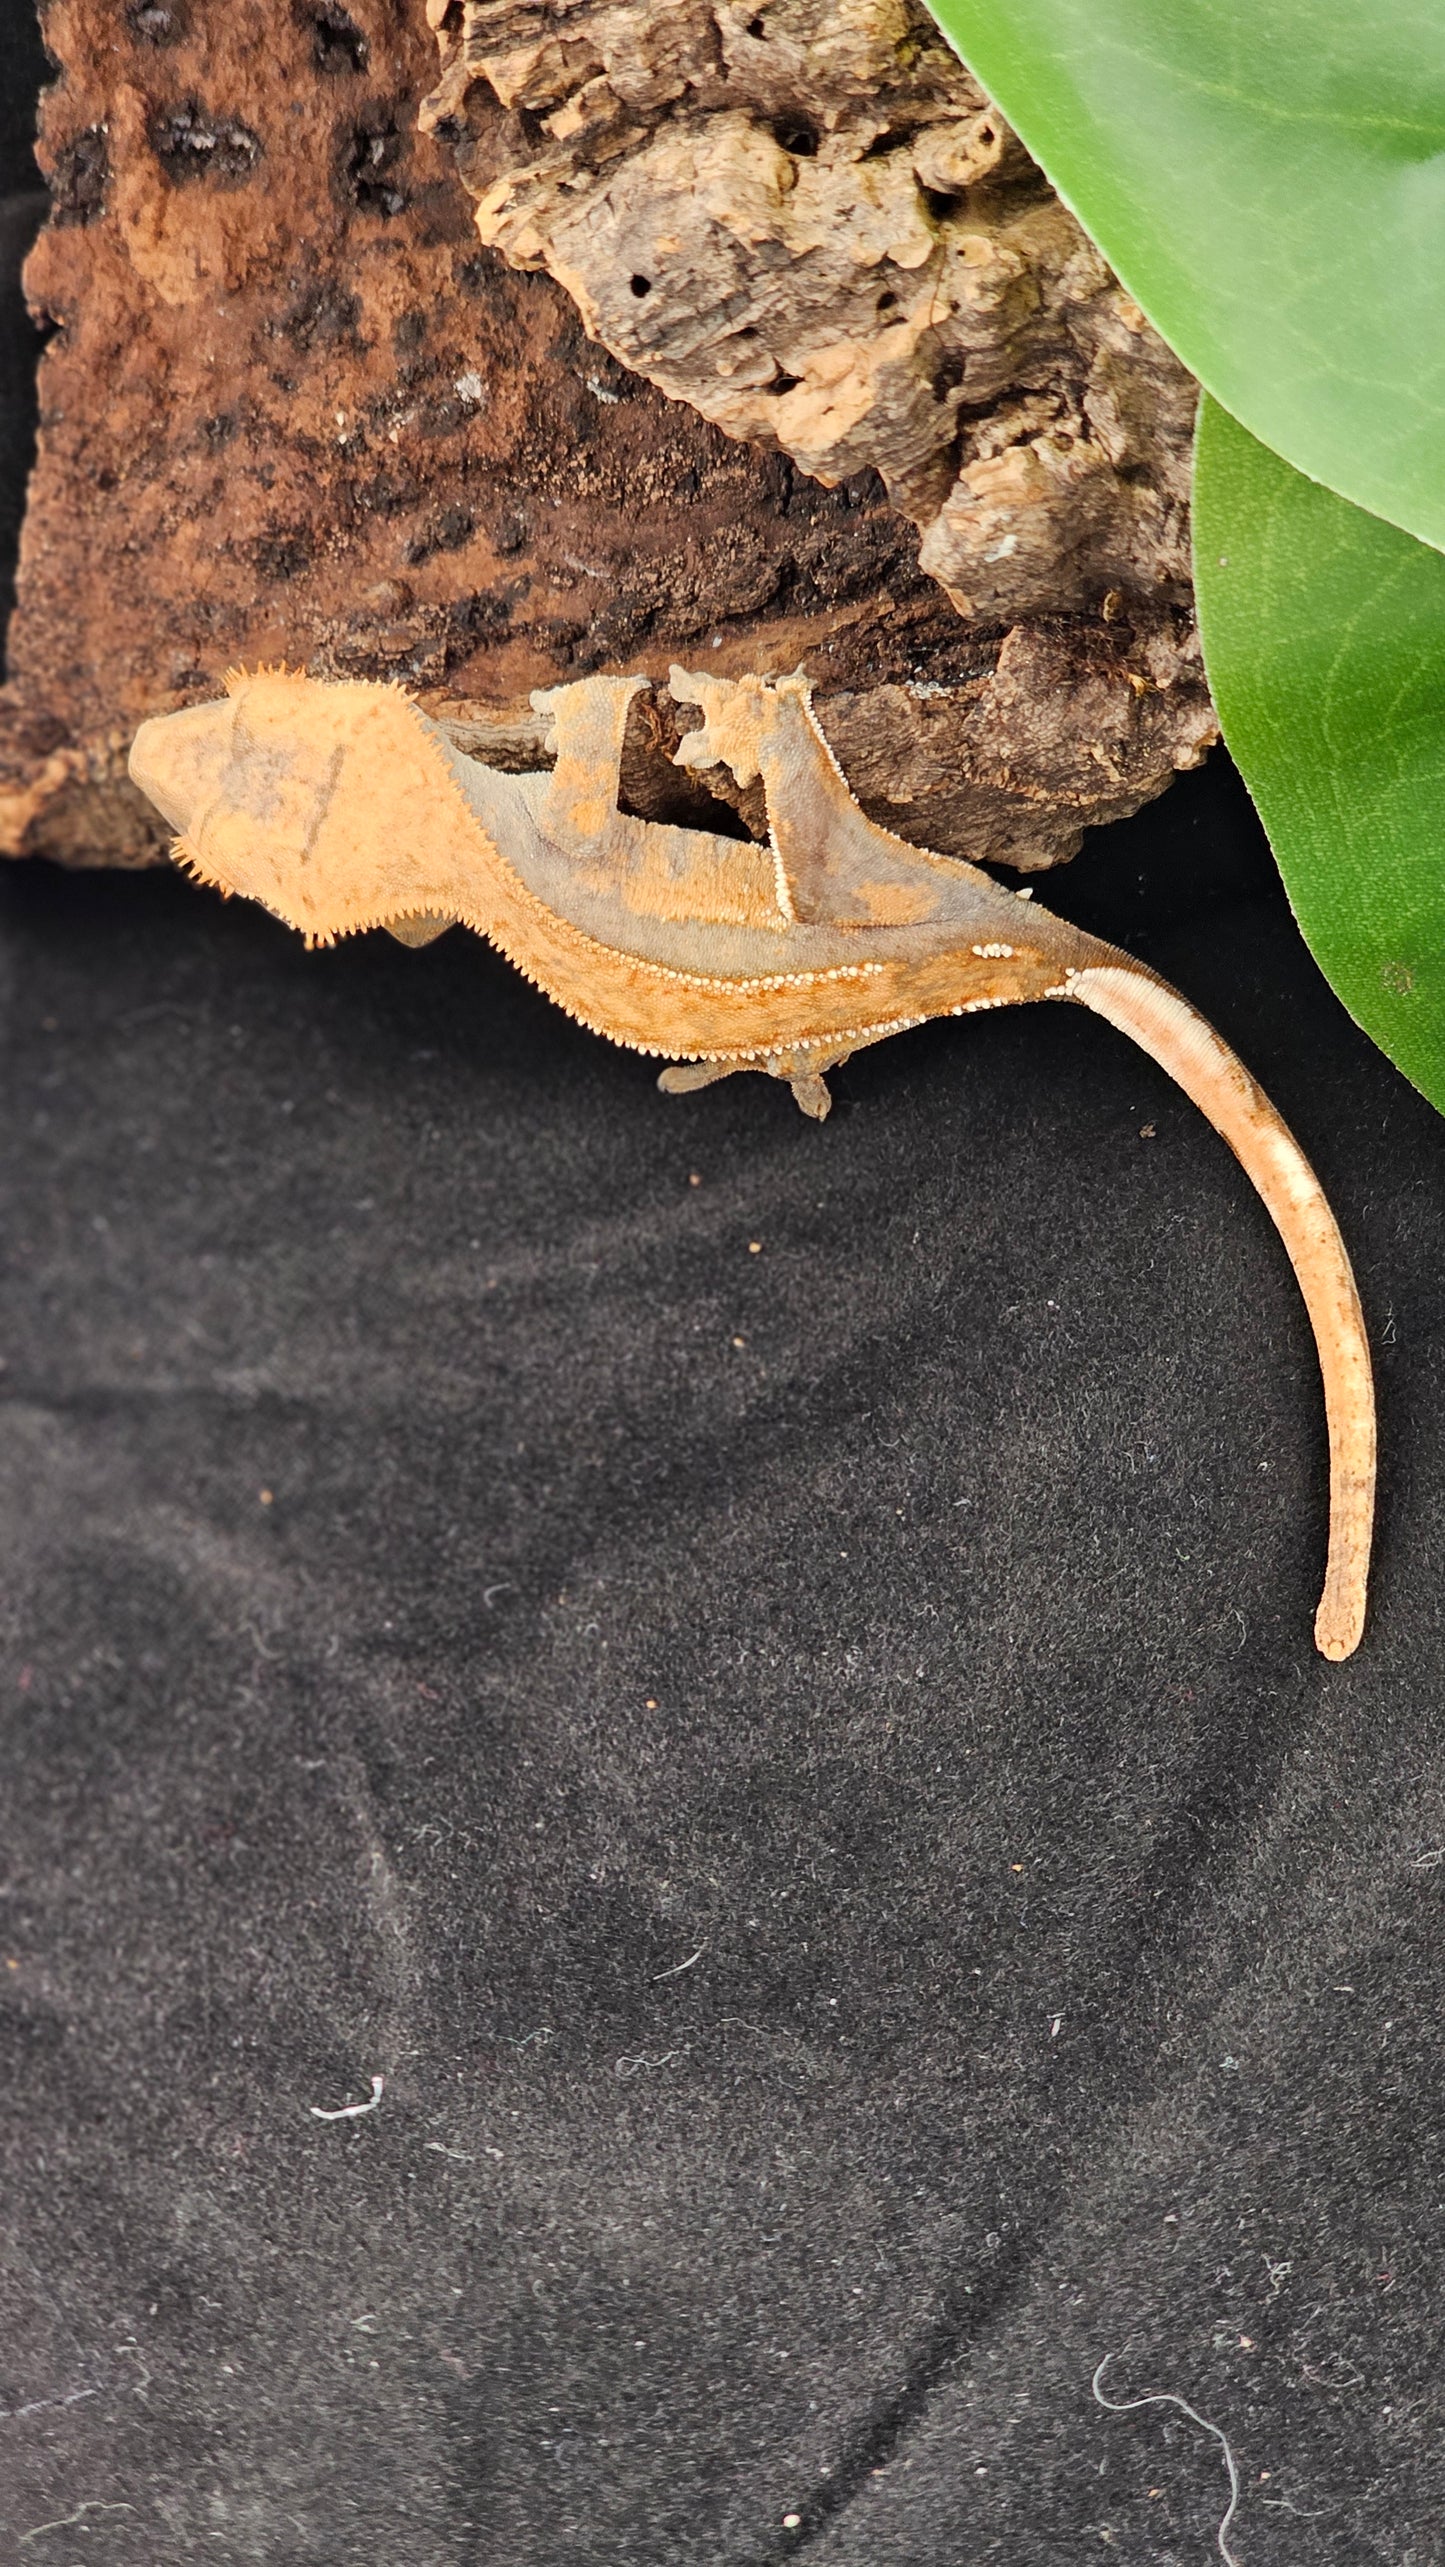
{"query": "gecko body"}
(343, 807)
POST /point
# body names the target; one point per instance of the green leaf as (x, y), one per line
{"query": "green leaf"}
(1324, 638)
(1267, 177)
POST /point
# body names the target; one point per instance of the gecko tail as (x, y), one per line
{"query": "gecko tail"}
(1185, 1045)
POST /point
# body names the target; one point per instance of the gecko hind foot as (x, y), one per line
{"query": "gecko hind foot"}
(810, 1088)
(734, 716)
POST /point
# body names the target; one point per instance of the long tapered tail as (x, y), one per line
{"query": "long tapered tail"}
(1182, 1042)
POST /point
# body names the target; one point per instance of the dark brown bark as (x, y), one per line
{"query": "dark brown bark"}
(296, 410)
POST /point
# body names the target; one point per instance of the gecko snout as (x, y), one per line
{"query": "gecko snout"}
(180, 760)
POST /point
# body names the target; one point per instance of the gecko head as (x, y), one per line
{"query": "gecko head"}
(299, 795)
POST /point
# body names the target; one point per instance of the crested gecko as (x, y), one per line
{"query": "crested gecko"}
(342, 807)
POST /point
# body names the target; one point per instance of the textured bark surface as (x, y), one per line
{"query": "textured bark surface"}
(809, 222)
(295, 410)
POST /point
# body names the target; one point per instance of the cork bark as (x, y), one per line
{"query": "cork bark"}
(351, 370)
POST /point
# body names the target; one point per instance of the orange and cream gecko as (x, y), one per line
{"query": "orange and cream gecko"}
(342, 807)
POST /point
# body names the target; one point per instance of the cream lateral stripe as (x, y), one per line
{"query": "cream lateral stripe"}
(1166, 1027)
(780, 880)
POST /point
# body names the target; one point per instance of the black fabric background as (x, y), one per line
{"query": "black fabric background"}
(863, 1897)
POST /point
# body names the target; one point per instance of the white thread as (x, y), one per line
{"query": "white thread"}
(352, 2112)
(1169, 2398)
(62, 2522)
(679, 1966)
